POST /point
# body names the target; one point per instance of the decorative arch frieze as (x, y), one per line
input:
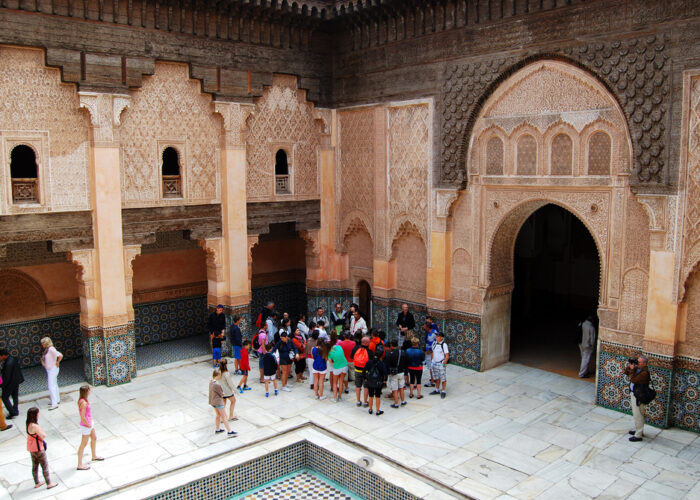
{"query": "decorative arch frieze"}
(353, 222)
(635, 71)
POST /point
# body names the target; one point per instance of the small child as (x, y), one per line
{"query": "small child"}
(269, 369)
(244, 367)
(216, 341)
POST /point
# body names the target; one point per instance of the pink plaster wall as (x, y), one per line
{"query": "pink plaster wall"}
(169, 269)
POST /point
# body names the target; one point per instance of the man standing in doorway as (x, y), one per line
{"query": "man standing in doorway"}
(338, 318)
(586, 346)
(405, 323)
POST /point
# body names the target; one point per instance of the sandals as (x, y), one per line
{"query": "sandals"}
(98, 459)
(419, 397)
(84, 467)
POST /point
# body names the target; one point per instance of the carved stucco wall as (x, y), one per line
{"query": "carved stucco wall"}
(691, 223)
(38, 110)
(689, 344)
(545, 100)
(357, 169)
(283, 119)
(410, 257)
(635, 69)
(409, 167)
(359, 248)
(169, 110)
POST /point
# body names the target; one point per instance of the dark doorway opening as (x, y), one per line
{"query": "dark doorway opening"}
(557, 280)
(365, 300)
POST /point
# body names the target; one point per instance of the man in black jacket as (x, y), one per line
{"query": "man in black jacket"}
(405, 322)
(11, 378)
(397, 365)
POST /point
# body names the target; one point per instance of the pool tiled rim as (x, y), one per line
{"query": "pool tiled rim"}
(307, 447)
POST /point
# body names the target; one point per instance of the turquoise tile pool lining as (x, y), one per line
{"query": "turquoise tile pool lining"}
(284, 488)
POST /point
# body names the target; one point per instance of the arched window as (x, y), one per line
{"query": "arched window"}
(562, 149)
(23, 171)
(599, 153)
(281, 172)
(527, 155)
(494, 156)
(170, 171)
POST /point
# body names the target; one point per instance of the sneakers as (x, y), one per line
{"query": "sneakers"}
(635, 439)
(369, 411)
(394, 406)
(435, 392)
(443, 394)
(53, 407)
(403, 403)
(276, 392)
(218, 431)
(359, 403)
(632, 433)
(323, 397)
(380, 412)
(232, 434)
(346, 391)
(286, 389)
(365, 404)
(267, 394)
(246, 388)
(240, 391)
(429, 384)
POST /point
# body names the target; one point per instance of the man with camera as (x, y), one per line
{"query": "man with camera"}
(638, 374)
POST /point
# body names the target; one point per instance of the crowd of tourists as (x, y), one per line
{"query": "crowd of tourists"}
(340, 349)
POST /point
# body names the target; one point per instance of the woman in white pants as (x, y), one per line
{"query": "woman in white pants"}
(50, 360)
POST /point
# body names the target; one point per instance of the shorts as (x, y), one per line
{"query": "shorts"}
(437, 371)
(85, 431)
(236, 352)
(269, 377)
(396, 382)
(260, 363)
(375, 392)
(340, 371)
(284, 361)
(244, 373)
(320, 372)
(219, 407)
(359, 379)
(415, 376)
(216, 353)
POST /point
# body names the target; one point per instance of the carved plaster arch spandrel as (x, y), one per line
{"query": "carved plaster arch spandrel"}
(635, 71)
(507, 211)
(402, 224)
(352, 222)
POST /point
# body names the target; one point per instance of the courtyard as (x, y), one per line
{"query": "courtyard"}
(509, 432)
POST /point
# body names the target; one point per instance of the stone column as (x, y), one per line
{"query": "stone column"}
(108, 334)
(233, 290)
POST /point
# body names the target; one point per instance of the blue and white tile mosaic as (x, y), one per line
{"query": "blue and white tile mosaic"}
(23, 339)
(685, 398)
(300, 486)
(170, 319)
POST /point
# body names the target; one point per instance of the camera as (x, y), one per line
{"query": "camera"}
(632, 361)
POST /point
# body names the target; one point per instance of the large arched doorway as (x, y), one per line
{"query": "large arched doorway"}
(556, 273)
(365, 300)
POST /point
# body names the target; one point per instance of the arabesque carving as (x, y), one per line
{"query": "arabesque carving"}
(409, 165)
(691, 221)
(169, 106)
(282, 115)
(635, 69)
(235, 116)
(356, 180)
(35, 101)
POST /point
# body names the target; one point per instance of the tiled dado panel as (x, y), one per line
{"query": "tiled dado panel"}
(685, 401)
(613, 390)
(299, 456)
(245, 325)
(23, 339)
(288, 297)
(462, 331)
(327, 299)
(170, 319)
(110, 354)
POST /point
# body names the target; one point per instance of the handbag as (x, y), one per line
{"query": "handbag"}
(644, 394)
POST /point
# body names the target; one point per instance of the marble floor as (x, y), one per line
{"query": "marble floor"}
(510, 432)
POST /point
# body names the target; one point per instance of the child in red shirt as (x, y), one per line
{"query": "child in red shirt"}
(244, 367)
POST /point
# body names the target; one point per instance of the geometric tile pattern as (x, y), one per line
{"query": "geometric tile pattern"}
(685, 402)
(296, 458)
(613, 385)
(23, 339)
(300, 486)
(170, 319)
(109, 354)
(288, 297)
(462, 331)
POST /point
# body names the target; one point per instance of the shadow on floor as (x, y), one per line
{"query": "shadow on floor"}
(146, 357)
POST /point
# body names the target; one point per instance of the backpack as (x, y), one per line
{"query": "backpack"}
(374, 375)
(644, 394)
(256, 342)
(258, 322)
(360, 358)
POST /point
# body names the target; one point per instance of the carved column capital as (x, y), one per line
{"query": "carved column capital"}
(105, 114)
(235, 116)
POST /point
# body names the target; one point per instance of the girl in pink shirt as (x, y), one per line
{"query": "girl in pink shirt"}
(86, 428)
